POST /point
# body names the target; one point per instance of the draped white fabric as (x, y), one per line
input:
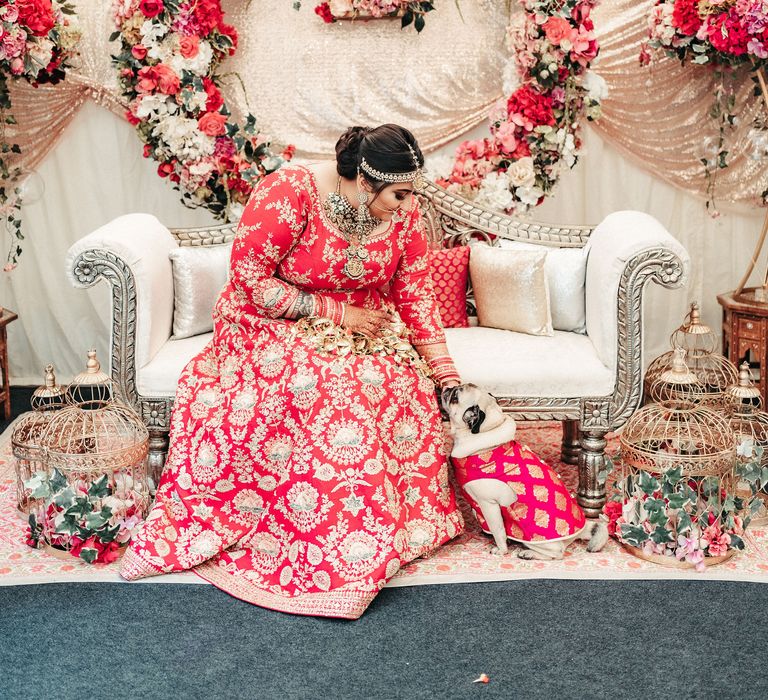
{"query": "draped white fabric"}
(97, 173)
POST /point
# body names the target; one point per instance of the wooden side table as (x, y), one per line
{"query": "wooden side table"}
(745, 337)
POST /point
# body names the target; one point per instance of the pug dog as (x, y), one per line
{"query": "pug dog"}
(514, 494)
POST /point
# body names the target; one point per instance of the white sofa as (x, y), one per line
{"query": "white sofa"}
(591, 381)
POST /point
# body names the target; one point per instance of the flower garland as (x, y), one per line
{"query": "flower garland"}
(722, 34)
(688, 519)
(89, 520)
(535, 131)
(410, 11)
(170, 53)
(37, 41)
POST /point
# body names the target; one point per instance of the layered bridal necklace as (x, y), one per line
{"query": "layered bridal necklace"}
(356, 225)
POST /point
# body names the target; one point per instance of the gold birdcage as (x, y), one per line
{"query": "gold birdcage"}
(714, 372)
(95, 449)
(28, 431)
(744, 413)
(677, 384)
(678, 456)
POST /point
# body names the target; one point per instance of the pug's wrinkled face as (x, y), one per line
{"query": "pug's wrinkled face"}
(469, 407)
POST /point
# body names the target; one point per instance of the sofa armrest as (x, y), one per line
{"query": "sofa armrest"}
(626, 250)
(131, 253)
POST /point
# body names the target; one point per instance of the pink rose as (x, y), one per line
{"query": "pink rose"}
(212, 123)
(559, 31)
(17, 66)
(139, 52)
(9, 13)
(189, 46)
(167, 79)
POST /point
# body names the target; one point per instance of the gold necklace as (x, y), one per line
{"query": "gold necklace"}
(355, 225)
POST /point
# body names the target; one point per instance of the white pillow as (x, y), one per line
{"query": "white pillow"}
(199, 273)
(566, 270)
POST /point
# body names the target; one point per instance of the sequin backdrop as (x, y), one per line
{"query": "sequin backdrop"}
(305, 81)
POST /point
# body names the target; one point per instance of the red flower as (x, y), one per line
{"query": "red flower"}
(288, 152)
(212, 123)
(139, 52)
(37, 15)
(108, 552)
(324, 11)
(208, 15)
(528, 108)
(727, 34)
(215, 100)
(685, 16)
(613, 510)
(165, 169)
(133, 120)
(151, 8)
(147, 150)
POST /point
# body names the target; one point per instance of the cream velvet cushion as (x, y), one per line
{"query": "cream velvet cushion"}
(516, 364)
(199, 273)
(510, 288)
(566, 270)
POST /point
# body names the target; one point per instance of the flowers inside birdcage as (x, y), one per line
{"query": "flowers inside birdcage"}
(90, 519)
(683, 498)
(92, 490)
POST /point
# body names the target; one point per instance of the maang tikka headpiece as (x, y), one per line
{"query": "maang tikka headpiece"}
(415, 176)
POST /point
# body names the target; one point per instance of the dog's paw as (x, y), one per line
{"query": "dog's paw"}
(498, 551)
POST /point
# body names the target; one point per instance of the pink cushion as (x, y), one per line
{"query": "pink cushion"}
(449, 268)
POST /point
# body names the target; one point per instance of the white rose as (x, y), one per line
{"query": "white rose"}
(495, 192)
(596, 87)
(521, 173)
(438, 166)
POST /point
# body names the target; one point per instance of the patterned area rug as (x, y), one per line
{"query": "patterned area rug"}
(465, 559)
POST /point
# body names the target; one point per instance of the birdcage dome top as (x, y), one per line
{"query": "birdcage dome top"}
(108, 431)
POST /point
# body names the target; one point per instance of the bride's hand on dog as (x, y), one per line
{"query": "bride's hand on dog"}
(367, 322)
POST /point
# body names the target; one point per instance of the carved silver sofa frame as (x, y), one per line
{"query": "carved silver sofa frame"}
(453, 221)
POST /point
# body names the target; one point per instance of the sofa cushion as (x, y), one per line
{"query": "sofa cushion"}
(502, 362)
(449, 268)
(510, 288)
(160, 376)
(566, 270)
(516, 364)
(199, 273)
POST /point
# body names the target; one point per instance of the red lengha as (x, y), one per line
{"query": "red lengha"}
(301, 475)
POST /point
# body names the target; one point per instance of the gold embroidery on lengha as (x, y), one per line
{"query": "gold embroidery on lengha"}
(332, 339)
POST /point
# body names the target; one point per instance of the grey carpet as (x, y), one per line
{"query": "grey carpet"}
(535, 639)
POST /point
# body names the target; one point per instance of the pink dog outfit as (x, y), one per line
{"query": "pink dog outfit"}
(544, 510)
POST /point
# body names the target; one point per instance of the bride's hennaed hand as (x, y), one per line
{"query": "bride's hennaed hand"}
(367, 322)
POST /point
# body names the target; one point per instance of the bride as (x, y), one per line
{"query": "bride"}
(306, 462)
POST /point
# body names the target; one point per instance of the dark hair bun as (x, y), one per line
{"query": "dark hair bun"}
(348, 151)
